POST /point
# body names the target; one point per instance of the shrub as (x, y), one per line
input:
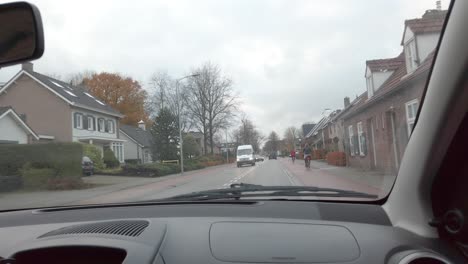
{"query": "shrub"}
(109, 159)
(94, 153)
(65, 184)
(132, 161)
(110, 171)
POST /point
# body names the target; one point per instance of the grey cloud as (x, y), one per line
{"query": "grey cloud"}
(289, 59)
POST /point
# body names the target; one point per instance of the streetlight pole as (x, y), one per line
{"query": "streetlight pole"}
(227, 149)
(181, 140)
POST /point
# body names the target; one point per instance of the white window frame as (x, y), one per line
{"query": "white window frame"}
(370, 86)
(79, 120)
(101, 126)
(111, 126)
(411, 119)
(360, 133)
(411, 55)
(350, 137)
(90, 123)
(383, 120)
(118, 149)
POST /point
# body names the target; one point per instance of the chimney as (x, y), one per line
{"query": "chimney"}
(28, 66)
(142, 125)
(346, 102)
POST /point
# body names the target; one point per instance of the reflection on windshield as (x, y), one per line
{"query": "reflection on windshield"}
(163, 113)
(241, 152)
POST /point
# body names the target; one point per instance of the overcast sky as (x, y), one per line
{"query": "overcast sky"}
(289, 59)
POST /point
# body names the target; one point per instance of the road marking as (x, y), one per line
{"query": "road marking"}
(239, 177)
(291, 178)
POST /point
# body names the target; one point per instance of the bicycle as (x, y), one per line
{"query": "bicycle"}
(307, 162)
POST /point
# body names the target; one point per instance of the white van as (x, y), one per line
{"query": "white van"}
(245, 155)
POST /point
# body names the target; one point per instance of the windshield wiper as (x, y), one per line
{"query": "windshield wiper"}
(243, 190)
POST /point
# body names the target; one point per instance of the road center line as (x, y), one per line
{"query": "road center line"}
(239, 177)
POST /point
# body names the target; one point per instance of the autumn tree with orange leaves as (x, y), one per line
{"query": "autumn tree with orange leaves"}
(122, 93)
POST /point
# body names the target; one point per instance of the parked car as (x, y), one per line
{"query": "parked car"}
(87, 166)
(272, 156)
(259, 158)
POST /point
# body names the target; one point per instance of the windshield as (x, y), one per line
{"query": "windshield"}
(135, 102)
(241, 152)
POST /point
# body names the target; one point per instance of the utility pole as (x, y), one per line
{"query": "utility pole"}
(181, 140)
(227, 149)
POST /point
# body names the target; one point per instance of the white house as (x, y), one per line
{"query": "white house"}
(13, 129)
(137, 142)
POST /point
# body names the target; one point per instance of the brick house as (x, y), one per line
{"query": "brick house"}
(60, 112)
(379, 124)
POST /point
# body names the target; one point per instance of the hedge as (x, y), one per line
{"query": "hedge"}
(10, 183)
(40, 166)
(132, 161)
(64, 158)
(34, 178)
(336, 158)
(318, 154)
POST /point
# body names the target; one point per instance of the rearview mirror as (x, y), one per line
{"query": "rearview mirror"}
(21, 33)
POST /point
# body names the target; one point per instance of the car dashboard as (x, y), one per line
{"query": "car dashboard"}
(214, 232)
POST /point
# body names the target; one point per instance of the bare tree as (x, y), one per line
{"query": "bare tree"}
(163, 94)
(273, 143)
(247, 134)
(211, 101)
(79, 77)
(160, 84)
(291, 136)
(55, 75)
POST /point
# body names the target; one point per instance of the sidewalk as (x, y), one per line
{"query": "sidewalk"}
(324, 175)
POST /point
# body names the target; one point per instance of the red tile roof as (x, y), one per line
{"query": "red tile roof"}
(432, 21)
(386, 64)
(395, 82)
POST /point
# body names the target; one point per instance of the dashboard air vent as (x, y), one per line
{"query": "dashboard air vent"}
(423, 258)
(131, 228)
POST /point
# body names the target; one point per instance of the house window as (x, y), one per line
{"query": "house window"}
(383, 120)
(101, 125)
(351, 140)
(78, 120)
(90, 123)
(361, 139)
(117, 148)
(370, 87)
(411, 111)
(411, 56)
(110, 126)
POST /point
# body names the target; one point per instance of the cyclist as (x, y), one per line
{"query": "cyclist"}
(293, 155)
(307, 155)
